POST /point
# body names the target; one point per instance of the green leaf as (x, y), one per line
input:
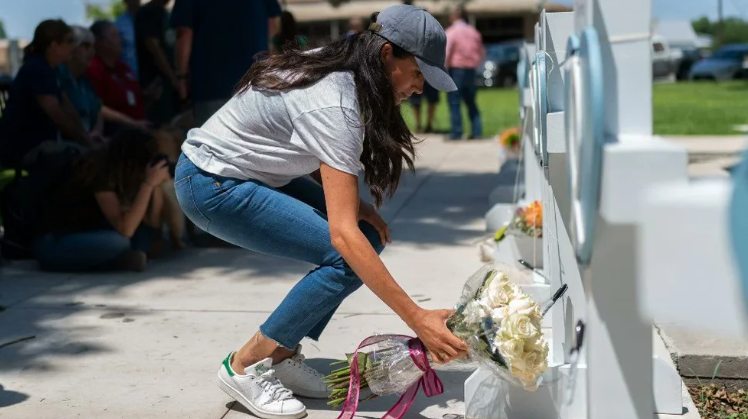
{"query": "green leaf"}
(500, 234)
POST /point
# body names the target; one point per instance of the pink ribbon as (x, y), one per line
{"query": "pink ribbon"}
(432, 385)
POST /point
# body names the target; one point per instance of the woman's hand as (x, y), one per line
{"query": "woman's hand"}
(367, 212)
(431, 328)
(158, 173)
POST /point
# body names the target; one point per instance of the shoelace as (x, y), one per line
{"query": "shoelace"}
(274, 386)
(299, 358)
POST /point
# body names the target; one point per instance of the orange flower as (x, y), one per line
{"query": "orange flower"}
(509, 137)
(534, 214)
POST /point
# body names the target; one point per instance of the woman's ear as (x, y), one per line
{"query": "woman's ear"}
(386, 52)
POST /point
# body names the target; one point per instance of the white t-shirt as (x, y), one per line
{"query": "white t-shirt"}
(275, 137)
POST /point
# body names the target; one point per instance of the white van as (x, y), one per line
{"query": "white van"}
(664, 60)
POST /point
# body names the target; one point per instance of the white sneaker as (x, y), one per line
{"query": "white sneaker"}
(260, 391)
(300, 378)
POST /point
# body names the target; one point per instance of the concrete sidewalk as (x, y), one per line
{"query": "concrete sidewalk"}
(710, 155)
(148, 345)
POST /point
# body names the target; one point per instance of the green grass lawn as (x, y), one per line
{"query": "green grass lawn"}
(704, 108)
(679, 109)
(499, 110)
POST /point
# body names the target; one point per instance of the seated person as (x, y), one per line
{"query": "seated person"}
(106, 215)
(124, 102)
(76, 86)
(35, 114)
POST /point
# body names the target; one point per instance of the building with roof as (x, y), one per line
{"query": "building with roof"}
(497, 20)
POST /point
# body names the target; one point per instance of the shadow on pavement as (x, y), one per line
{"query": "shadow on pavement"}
(9, 398)
(442, 209)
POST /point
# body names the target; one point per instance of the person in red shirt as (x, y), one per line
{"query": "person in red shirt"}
(124, 102)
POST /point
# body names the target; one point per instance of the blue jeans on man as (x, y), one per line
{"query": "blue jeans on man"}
(466, 91)
(289, 221)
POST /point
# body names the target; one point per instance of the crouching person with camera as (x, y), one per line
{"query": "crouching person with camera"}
(105, 215)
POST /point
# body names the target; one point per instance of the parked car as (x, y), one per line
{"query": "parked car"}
(727, 63)
(500, 66)
(691, 55)
(664, 60)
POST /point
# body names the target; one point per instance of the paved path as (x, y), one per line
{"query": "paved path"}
(148, 345)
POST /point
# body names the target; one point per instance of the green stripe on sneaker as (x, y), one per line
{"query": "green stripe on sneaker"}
(227, 365)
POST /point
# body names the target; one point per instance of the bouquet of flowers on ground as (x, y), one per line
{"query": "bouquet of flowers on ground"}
(498, 321)
(510, 138)
(527, 220)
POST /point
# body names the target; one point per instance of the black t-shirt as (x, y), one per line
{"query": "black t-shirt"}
(152, 21)
(74, 209)
(229, 32)
(24, 123)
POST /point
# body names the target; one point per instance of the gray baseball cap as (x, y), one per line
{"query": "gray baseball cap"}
(418, 32)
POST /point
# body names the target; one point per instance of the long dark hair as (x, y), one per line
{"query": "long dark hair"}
(120, 164)
(388, 142)
(45, 34)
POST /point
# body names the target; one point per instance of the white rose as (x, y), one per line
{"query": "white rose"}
(523, 305)
(509, 348)
(537, 344)
(475, 312)
(498, 293)
(529, 358)
(541, 363)
(534, 363)
(519, 326)
(519, 371)
(528, 368)
(498, 314)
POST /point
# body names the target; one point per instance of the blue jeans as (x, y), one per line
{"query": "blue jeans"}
(88, 251)
(466, 91)
(290, 222)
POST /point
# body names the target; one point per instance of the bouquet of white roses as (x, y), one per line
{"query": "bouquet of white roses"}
(498, 321)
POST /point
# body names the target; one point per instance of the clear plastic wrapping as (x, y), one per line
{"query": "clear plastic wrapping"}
(498, 321)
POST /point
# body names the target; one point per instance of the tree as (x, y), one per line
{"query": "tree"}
(3, 35)
(704, 26)
(111, 11)
(735, 30)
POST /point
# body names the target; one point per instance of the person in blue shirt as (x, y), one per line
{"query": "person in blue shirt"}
(126, 26)
(217, 41)
(77, 87)
(37, 111)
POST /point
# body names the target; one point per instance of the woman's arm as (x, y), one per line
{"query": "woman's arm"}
(70, 126)
(117, 117)
(128, 221)
(341, 195)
